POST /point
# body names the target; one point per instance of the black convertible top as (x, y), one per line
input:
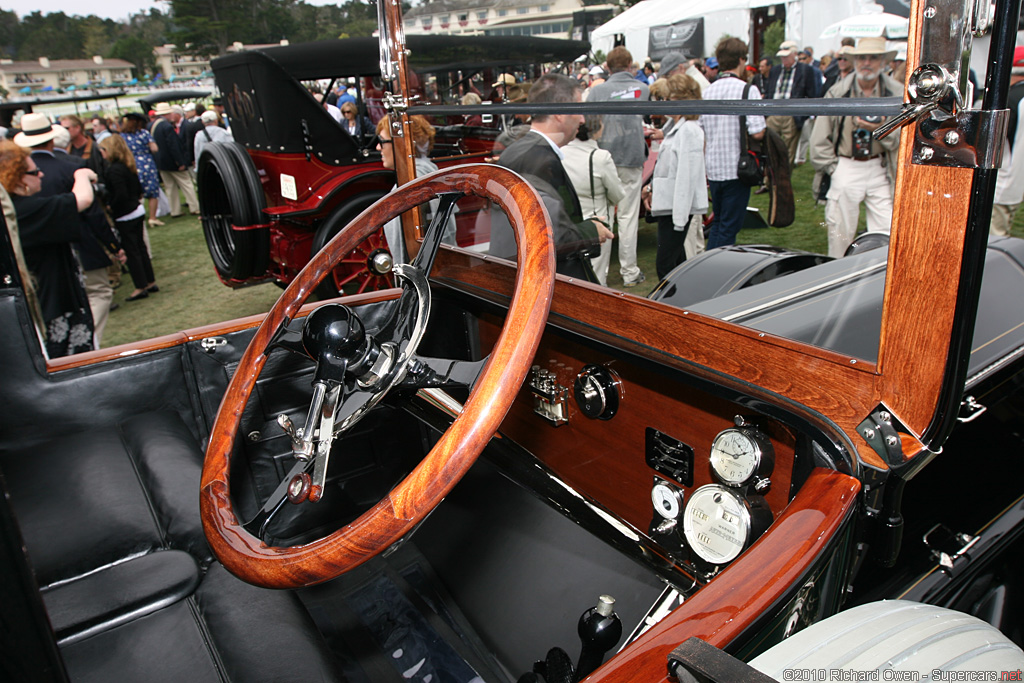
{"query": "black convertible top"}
(361, 56)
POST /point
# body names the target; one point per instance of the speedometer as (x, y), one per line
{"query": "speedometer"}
(719, 523)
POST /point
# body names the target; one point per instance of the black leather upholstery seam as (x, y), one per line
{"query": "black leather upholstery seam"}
(164, 534)
(204, 632)
(199, 418)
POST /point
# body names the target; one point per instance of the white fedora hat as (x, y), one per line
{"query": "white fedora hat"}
(35, 130)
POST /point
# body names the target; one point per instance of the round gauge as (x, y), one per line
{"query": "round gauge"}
(668, 502)
(717, 524)
(737, 455)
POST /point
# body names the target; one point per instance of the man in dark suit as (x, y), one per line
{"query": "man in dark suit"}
(172, 160)
(537, 158)
(790, 80)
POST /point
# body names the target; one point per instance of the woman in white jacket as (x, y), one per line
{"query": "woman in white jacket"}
(679, 189)
(596, 182)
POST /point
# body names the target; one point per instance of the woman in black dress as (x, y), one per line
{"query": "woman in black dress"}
(48, 226)
(123, 193)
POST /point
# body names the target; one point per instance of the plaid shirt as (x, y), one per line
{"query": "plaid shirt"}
(722, 133)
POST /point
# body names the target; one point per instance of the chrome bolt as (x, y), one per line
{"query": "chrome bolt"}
(884, 416)
(927, 153)
(762, 485)
(254, 436)
(892, 441)
(869, 433)
(8, 280)
(929, 12)
(952, 137)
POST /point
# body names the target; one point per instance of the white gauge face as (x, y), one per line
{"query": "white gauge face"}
(716, 524)
(667, 501)
(735, 457)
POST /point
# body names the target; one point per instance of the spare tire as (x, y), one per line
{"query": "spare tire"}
(230, 194)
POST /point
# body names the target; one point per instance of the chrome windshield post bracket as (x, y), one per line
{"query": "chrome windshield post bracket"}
(949, 133)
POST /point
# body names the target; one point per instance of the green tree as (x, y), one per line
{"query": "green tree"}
(137, 51)
(95, 37)
(774, 35)
(10, 32)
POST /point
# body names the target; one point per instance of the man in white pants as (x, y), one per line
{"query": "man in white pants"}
(863, 169)
(624, 138)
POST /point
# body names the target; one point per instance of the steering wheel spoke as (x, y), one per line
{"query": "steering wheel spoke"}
(358, 366)
(442, 373)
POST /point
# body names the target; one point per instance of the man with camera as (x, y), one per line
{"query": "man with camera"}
(862, 169)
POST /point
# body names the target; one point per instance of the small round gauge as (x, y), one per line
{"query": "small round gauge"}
(717, 524)
(668, 502)
(738, 455)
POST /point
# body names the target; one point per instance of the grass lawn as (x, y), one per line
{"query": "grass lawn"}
(191, 294)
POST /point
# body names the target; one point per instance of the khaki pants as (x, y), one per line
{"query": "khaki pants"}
(786, 128)
(628, 218)
(101, 294)
(1002, 219)
(854, 182)
(179, 180)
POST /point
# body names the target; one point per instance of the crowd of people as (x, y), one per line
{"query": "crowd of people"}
(79, 198)
(603, 157)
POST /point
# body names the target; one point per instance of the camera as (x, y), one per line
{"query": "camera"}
(861, 144)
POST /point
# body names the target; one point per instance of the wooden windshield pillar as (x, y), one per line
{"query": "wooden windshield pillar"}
(929, 226)
(403, 146)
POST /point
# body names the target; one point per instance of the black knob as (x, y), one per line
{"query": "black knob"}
(333, 336)
(599, 630)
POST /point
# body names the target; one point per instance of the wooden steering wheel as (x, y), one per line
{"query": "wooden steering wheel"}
(495, 388)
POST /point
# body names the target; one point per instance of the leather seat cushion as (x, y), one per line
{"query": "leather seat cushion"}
(227, 631)
(120, 593)
(91, 499)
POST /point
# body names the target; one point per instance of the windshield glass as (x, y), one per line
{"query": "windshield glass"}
(800, 254)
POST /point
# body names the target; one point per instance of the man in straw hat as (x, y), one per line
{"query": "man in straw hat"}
(172, 159)
(862, 169)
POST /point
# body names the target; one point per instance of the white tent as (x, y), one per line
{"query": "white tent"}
(805, 21)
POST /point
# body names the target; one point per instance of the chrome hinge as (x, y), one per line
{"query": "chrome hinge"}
(948, 547)
(970, 410)
(211, 344)
(882, 430)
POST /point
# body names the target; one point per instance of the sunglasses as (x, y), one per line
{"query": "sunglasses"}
(35, 172)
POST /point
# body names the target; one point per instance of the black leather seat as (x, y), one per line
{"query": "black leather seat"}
(110, 520)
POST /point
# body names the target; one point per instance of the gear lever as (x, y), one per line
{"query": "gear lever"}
(599, 630)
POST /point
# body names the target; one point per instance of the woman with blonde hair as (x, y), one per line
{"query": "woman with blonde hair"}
(678, 193)
(124, 190)
(355, 125)
(423, 141)
(47, 227)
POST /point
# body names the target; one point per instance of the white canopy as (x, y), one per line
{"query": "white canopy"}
(636, 22)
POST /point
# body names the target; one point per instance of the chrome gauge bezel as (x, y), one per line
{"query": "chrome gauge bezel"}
(762, 453)
(667, 501)
(702, 503)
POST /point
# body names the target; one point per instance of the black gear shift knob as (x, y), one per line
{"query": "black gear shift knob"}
(599, 630)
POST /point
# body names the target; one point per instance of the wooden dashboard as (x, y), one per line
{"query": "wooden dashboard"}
(607, 459)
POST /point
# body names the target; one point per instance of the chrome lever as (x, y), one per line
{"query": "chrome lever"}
(911, 112)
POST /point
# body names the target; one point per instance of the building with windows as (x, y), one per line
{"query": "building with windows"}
(174, 64)
(45, 75)
(550, 18)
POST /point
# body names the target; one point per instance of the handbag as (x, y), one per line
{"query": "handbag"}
(750, 169)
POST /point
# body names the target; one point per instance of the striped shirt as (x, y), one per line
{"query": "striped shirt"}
(722, 133)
